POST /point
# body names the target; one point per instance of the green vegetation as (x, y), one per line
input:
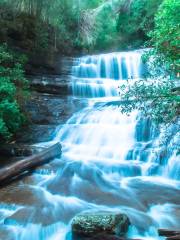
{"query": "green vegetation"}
(118, 24)
(36, 25)
(42, 28)
(13, 89)
(160, 99)
(165, 37)
(69, 26)
(136, 19)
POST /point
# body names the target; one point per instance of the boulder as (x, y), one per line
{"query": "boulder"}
(90, 224)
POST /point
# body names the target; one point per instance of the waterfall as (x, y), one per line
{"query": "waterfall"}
(110, 161)
(97, 77)
(93, 76)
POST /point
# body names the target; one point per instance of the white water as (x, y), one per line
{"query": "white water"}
(100, 76)
(110, 161)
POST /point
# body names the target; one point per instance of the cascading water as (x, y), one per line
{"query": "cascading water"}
(110, 161)
(99, 76)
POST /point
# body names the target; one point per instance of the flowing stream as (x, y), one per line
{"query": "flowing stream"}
(110, 161)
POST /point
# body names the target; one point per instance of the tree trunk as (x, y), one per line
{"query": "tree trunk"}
(29, 163)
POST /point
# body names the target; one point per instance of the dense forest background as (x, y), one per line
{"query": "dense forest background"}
(71, 26)
(33, 32)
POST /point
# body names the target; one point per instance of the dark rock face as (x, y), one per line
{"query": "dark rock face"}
(54, 83)
(107, 223)
(49, 63)
(50, 84)
(17, 150)
(46, 113)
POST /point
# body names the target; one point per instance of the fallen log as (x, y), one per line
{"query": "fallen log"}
(168, 232)
(29, 163)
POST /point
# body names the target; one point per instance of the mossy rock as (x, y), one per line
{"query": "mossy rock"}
(92, 223)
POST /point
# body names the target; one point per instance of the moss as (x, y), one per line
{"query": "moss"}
(90, 224)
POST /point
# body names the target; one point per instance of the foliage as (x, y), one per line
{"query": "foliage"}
(160, 98)
(135, 21)
(13, 90)
(165, 36)
(38, 25)
(69, 25)
(98, 28)
(106, 30)
(117, 24)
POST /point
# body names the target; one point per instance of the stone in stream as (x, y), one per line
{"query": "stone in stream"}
(90, 224)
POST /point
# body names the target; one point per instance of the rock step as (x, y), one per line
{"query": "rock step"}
(66, 65)
(51, 84)
(54, 84)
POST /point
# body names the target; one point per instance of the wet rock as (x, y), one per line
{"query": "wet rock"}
(168, 232)
(53, 84)
(46, 112)
(177, 237)
(30, 215)
(92, 223)
(17, 150)
(5, 234)
(48, 64)
(36, 133)
(105, 237)
(50, 85)
(109, 237)
(19, 217)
